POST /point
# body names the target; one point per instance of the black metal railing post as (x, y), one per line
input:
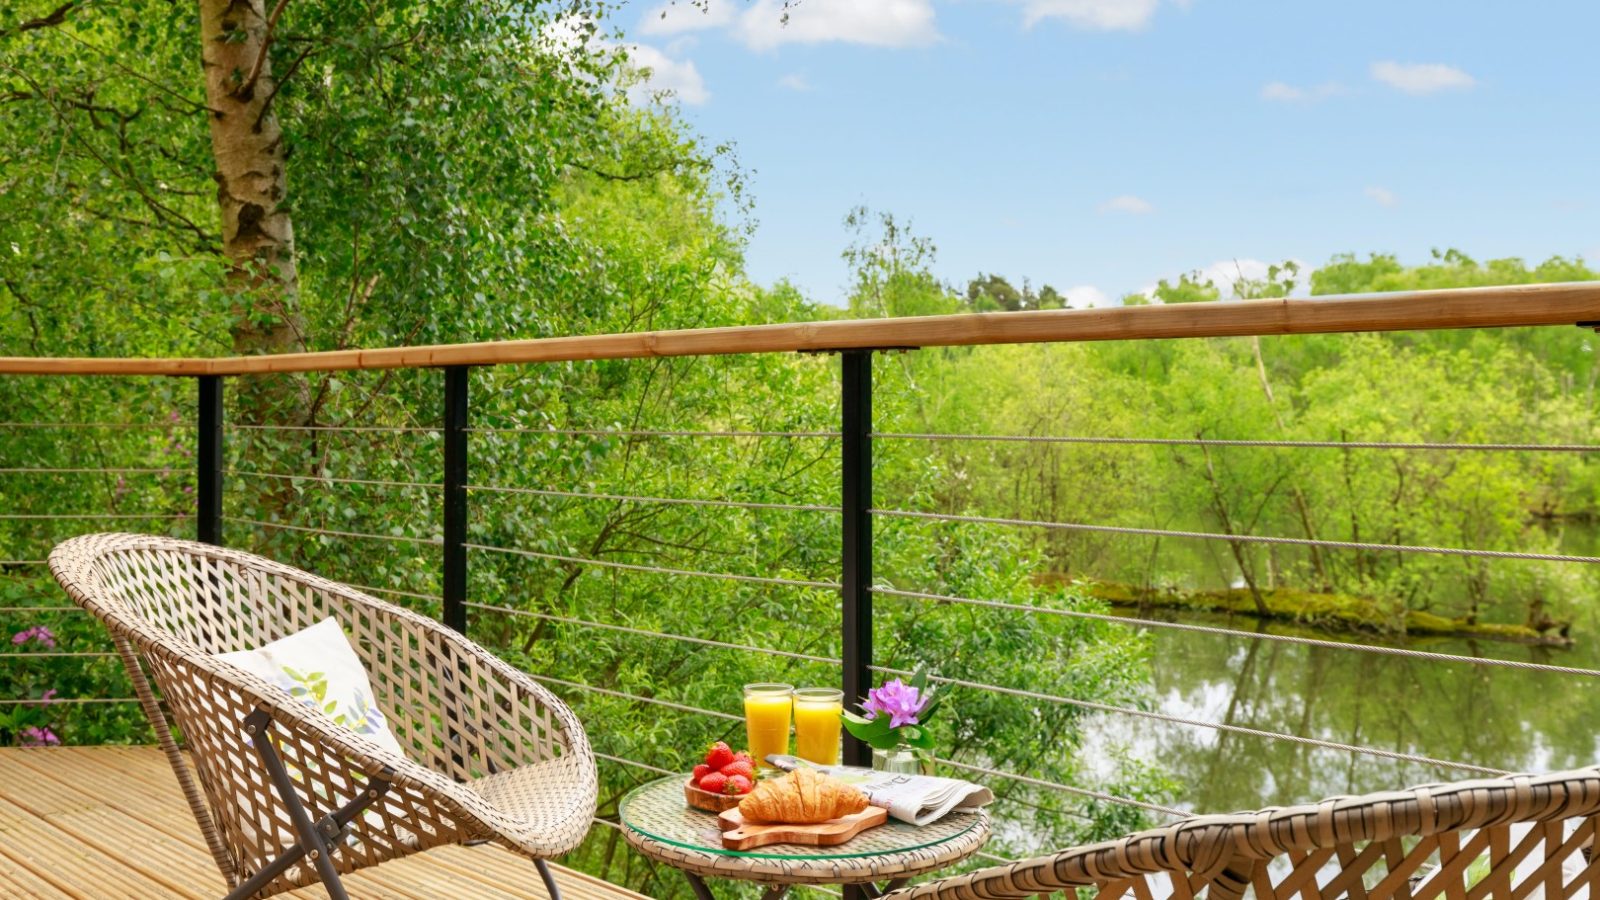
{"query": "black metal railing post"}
(855, 458)
(208, 458)
(454, 587)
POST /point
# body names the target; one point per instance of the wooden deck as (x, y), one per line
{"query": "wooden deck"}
(110, 822)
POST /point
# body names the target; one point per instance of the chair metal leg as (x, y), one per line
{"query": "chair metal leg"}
(549, 880)
(314, 836)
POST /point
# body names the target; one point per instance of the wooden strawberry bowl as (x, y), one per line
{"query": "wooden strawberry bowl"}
(713, 803)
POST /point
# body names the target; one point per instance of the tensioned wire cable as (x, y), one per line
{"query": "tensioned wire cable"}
(658, 570)
(610, 432)
(1207, 629)
(1226, 442)
(332, 533)
(1201, 723)
(1240, 538)
(707, 642)
(234, 473)
(46, 470)
(992, 772)
(679, 501)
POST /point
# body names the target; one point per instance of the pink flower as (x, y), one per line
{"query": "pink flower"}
(38, 633)
(48, 697)
(39, 737)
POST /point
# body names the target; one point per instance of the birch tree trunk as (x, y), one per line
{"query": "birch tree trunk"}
(257, 235)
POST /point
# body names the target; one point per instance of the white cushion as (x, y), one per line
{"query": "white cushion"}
(318, 667)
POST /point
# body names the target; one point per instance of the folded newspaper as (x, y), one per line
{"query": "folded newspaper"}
(916, 799)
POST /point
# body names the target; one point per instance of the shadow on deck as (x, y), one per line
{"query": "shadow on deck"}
(111, 822)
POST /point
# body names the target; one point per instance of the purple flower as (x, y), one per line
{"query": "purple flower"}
(37, 633)
(896, 699)
(48, 697)
(39, 737)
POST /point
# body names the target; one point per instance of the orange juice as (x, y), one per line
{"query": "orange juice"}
(766, 719)
(817, 719)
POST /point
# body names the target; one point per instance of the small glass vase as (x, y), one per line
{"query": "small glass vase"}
(902, 760)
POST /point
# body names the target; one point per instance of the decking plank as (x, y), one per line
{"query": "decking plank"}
(110, 821)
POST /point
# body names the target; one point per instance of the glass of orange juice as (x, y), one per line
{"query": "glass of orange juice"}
(817, 714)
(766, 719)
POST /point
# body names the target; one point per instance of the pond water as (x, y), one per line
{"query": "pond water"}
(1490, 716)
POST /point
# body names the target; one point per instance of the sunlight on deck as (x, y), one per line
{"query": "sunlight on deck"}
(111, 822)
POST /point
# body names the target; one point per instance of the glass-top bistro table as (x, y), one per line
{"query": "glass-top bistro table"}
(659, 824)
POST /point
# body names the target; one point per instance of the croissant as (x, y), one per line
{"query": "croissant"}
(801, 797)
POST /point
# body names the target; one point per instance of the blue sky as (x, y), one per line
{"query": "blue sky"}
(1098, 145)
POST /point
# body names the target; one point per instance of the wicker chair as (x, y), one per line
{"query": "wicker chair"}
(493, 755)
(1416, 844)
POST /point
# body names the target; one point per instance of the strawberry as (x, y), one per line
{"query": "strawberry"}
(700, 772)
(744, 755)
(739, 767)
(738, 784)
(716, 783)
(719, 755)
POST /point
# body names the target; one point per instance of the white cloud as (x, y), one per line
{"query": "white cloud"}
(659, 73)
(1288, 93)
(682, 16)
(1381, 196)
(568, 34)
(1126, 203)
(794, 82)
(1083, 296)
(1421, 78)
(1092, 15)
(766, 24)
(662, 73)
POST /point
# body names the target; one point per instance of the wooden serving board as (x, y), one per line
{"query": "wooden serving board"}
(738, 835)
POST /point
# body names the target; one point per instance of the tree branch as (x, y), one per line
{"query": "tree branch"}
(53, 18)
(248, 86)
(277, 85)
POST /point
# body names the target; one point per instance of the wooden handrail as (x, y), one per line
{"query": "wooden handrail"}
(1486, 307)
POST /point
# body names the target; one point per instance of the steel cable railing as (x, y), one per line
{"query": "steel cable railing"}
(1133, 622)
(665, 501)
(623, 695)
(1201, 723)
(1063, 788)
(610, 432)
(396, 591)
(184, 425)
(86, 517)
(353, 429)
(50, 470)
(328, 479)
(48, 654)
(329, 532)
(1229, 442)
(1032, 697)
(1233, 538)
(56, 701)
(624, 629)
(659, 570)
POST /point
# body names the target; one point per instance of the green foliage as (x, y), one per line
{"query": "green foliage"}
(457, 176)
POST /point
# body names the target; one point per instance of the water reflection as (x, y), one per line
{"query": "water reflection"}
(1490, 716)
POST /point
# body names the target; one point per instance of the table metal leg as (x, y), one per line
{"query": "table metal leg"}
(699, 886)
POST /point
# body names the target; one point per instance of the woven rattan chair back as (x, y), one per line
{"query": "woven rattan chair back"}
(490, 754)
(1523, 837)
